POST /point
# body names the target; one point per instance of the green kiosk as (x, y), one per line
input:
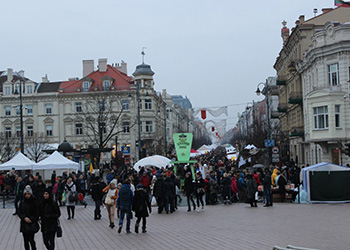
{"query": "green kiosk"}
(183, 145)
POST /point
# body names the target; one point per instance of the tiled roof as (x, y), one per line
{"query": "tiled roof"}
(121, 81)
(45, 87)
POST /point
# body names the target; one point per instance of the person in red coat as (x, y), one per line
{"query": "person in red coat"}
(234, 188)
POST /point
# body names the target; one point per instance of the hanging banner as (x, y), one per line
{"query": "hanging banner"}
(203, 114)
(183, 145)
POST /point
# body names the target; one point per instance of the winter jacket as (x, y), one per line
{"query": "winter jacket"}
(241, 182)
(158, 188)
(169, 188)
(273, 177)
(28, 208)
(267, 181)
(141, 204)
(114, 195)
(49, 212)
(125, 197)
(234, 185)
(189, 189)
(70, 189)
(96, 191)
(252, 187)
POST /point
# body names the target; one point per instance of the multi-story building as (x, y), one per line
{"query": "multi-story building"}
(325, 73)
(290, 82)
(103, 109)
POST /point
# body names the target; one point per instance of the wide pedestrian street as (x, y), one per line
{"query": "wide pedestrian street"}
(237, 226)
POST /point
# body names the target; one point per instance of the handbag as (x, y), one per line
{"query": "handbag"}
(200, 190)
(72, 197)
(59, 229)
(31, 227)
(64, 197)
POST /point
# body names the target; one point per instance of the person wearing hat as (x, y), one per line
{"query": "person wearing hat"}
(49, 212)
(141, 205)
(28, 213)
(110, 201)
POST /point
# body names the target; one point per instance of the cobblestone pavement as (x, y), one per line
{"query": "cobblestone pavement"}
(236, 226)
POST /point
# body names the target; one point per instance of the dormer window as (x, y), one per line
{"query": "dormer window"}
(29, 89)
(106, 85)
(86, 86)
(7, 90)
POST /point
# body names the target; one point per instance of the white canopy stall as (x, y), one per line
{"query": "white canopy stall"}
(57, 162)
(19, 162)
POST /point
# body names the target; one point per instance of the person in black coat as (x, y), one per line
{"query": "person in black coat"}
(282, 182)
(28, 213)
(158, 192)
(141, 205)
(267, 188)
(49, 213)
(169, 195)
(199, 190)
(18, 193)
(189, 191)
(97, 195)
(39, 189)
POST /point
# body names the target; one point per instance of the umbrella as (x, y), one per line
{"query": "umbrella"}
(258, 166)
(154, 160)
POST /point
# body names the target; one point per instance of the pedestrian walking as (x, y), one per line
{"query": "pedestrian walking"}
(110, 201)
(28, 213)
(72, 198)
(252, 188)
(97, 195)
(141, 205)
(49, 213)
(199, 190)
(267, 188)
(158, 192)
(19, 188)
(124, 202)
(169, 195)
(189, 191)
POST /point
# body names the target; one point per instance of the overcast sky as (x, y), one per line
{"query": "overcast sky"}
(213, 52)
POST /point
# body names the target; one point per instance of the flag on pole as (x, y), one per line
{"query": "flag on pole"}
(91, 168)
(342, 3)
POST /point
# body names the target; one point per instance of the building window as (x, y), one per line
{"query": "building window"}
(79, 128)
(29, 109)
(106, 85)
(48, 108)
(85, 86)
(7, 90)
(148, 104)
(321, 117)
(30, 131)
(29, 89)
(333, 74)
(78, 107)
(49, 130)
(18, 131)
(18, 110)
(149, 126)
(101, 105)
(7, 110)
(126, 127)
(8, 132)
(125, 104)
(337, 116)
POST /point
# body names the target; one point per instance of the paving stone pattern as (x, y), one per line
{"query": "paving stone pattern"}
(235, 226)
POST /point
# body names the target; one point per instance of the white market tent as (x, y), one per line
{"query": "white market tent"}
(327, 182)
(19, 162)
(57, 162)
(154, 160)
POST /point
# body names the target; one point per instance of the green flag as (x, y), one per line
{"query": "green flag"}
(183, 144)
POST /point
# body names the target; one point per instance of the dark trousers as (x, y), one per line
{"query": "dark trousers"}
(28, 238)
(97, 211)
(160, 203)
(17, 200)
(125, 211)
(199, 198)
(253, 202)
(69, 209)
(268, 196)
(207, 198)
(169, 200)
(143, 222)
(49, 240)
(190, 197)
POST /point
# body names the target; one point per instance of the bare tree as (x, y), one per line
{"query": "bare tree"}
(9, 146)
(35, 146)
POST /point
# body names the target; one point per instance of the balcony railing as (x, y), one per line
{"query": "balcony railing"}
(282, 107)
(297, 131)
(295, 98)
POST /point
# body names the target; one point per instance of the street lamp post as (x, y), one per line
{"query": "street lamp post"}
(258, 92)
(21, 113)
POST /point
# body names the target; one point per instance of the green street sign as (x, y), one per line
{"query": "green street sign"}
(183, 144)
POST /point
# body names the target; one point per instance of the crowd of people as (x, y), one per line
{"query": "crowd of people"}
(126, 192)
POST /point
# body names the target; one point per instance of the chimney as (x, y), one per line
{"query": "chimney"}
(9, 74)
(122, 67)
(163, 93)
(45, 78)
(102, 65)
(284, 32)
(326, 10)
(88, 67)
(302, 19)
(21, 73)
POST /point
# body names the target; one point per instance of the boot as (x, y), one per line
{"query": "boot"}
(144, 230)
(112, 225)
(137, 228)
